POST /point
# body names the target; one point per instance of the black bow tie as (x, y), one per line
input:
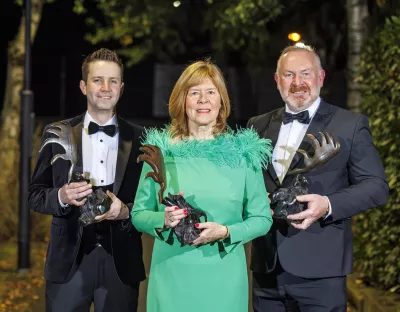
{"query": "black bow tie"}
(94, 128)
(302, 117)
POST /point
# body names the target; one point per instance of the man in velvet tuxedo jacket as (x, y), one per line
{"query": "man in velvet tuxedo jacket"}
(302, 265)
(102, 262)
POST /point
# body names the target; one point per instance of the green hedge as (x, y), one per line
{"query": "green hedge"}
(377, 232)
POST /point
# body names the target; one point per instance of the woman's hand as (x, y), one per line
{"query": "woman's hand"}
(211, 231)
(172, 216)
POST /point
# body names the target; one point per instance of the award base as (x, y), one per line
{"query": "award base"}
(185, 230)
(283, 201)
(97, 203)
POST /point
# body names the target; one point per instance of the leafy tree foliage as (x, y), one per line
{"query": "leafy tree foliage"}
(157, 27)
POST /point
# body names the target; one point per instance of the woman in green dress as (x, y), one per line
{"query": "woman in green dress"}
(220, 173)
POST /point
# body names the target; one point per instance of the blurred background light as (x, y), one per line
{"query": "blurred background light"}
(294, 36)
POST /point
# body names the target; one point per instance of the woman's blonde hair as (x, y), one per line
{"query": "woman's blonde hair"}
(193, 75)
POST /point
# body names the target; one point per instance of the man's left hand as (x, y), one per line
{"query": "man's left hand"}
(118, 210)
(317, 207)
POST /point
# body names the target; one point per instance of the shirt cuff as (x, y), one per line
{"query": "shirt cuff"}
(60, 202)
(330, 208)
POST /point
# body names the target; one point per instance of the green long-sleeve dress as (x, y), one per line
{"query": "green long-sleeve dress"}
(222, 177)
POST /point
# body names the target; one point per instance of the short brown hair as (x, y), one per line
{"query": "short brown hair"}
(299, 47)
(193, 75)
(101, 55)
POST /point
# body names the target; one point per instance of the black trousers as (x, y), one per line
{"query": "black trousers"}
(96, 281)
(281, 291)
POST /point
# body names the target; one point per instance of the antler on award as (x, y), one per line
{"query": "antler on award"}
(66, 139)
(153, 156)
(324, 150)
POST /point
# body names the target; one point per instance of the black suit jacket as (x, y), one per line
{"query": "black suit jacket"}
(354, 181)
(65, 232)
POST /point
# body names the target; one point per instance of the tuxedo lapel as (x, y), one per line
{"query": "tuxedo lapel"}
(124, 150)
(272, 133)
(318, 124)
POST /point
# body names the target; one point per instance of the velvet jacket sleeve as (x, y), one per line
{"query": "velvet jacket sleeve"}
(43, 194)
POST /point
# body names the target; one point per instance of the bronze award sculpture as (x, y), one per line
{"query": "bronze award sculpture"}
(98, 202)
(185, 230)
(283, 200)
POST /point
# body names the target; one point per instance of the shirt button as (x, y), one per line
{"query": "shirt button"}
(101, 161)
(101, 140)
(102, 181)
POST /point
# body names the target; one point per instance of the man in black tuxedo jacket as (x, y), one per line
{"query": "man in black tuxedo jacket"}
(302, 266)
(102, 262)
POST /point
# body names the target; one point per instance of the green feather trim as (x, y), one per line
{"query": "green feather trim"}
(229, 148)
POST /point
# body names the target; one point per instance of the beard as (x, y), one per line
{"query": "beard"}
(300, 101)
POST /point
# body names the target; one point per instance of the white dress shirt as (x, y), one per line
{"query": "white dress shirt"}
(290, 137)
(99, 153)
